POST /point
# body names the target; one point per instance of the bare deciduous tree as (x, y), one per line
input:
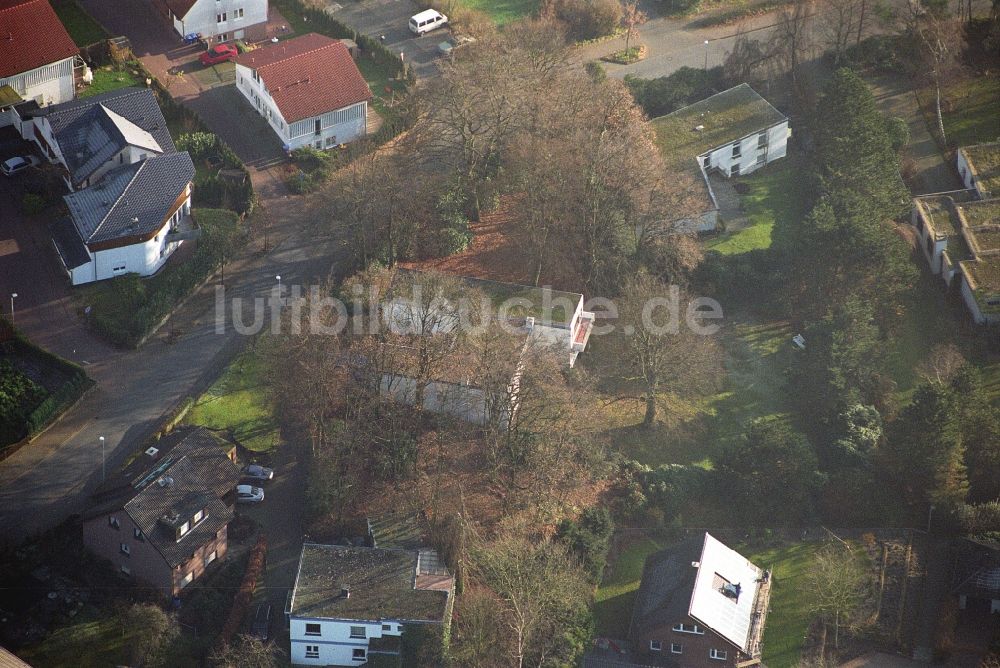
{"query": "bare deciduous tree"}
(942, 364)
(836, 585)
(940, 39)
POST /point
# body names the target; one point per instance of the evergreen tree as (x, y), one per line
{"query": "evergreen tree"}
(980, 434)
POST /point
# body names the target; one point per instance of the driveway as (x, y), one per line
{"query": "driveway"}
(389, 18)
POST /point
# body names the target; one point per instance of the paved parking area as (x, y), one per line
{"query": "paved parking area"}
(390, 18)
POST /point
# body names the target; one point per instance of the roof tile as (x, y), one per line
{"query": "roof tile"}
(308, 76)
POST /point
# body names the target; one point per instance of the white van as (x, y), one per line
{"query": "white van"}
(426, 21)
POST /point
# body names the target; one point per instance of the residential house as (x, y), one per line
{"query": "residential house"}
(959, 232)
(163, 519)
(977, 576)
(130, 204)
(700, 604)
(37, 56)
(730, 133)
(532, 316)
(308, 89)
(216, 21)
(351, 603)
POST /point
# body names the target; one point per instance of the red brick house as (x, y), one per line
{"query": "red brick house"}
(164, 518)
(700, 604)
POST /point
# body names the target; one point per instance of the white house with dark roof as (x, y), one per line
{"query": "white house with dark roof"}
(215, 20)
(36, 55)
(308, 89)
(164, 519)
(350, 603)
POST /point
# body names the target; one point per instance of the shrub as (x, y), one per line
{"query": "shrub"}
(32, 204)
(589, 538)
(199, 144)
(682, 6)
(663, 95)
(899, 132)
(453, 234)
(589, 19)
(255, 569)
(18, 395)
(596, 71)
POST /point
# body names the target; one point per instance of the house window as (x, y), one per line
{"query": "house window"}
(762, 140)
(220, 18)
(331, 141)
(319, 126)
(358, 654)
(735, 170)
(117, 270)
(114, 523)
(314, 630)
(124, 549)
(238, 13)
(183, 529)
(121, 158)
(684, 628)
(312, 651)
(760, 159)
(706, 161)
(676, 648)
(198, 516)
(736, 150)
(137, 533)
(126, 570)
(655, 646)
(186, 580)
(358, 632)
(387, 627)
(211, 557)
(718, 654)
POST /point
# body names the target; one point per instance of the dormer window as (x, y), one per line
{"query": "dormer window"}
(198, 516)
(183, 529)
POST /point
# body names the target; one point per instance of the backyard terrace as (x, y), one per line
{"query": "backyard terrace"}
(985, 161)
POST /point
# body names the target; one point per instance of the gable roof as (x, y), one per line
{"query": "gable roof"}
(382, 585)
(100, 123)
(131, 200)
(31, 36)
(686, 580)
(308, 76)
(196, 472)
(95, 136)
(180, 8)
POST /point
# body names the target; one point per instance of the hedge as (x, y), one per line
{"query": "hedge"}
(244, 597)
(134, 306)
(68, 393)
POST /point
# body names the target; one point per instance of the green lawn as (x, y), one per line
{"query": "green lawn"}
(81, 27)
(790, 615)
(757, 355)
(616, 593)
(972, 115)
(108, 79)
(238, 402)
(90, 640)
(215, 75)
(778, 193)
(502, 11)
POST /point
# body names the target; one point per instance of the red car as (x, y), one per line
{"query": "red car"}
(219, 53)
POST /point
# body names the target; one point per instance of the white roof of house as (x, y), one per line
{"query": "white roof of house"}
(729, 617)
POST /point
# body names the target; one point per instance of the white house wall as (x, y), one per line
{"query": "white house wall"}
(336, 646)
(970, 302)
(751, 156)
(201, 18)
(965, 172)
(49, 84)
(464, 402)
(144, 258)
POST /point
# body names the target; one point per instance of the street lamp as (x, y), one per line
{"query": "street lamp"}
(278, 278)
(706, 55)
(13, 296)
(104, 467)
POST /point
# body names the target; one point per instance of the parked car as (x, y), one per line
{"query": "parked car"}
(426, 21)
(449, 46)
(220, 53)
(258, 472)
(249, 494)
(15, 166)
(262, 622)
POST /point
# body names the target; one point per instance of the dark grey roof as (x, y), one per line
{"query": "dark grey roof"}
(667, 585)
(85, 130)
(132, 199)
(200, 473)
(96, 136)
(68, 243)
(171, 499)
(381, 583)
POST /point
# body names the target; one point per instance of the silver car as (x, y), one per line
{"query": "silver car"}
(15, 166)
(249, 494)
